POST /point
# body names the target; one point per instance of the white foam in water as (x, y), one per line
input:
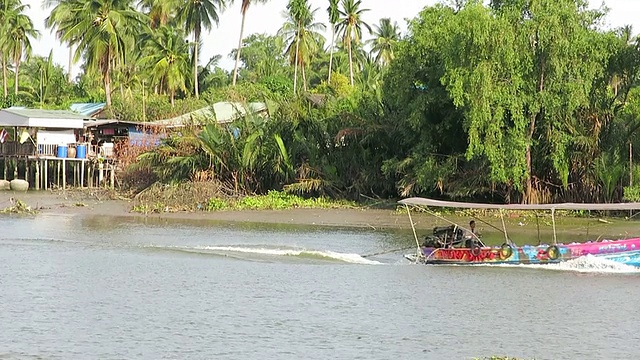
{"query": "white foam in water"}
(346, 257)
(586, 264)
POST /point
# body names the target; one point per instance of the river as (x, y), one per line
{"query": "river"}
(124, 288)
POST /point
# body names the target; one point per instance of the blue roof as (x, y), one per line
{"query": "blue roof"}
(87, 109)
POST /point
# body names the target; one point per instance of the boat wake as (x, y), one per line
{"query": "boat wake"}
(584, 264)
(270, 252)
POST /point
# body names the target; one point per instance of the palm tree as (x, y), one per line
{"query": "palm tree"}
(334, 17)
(386, 35)
(350, 26)
(104, 31)
(244, 7)
(160, 12)
(19, 28)
(168, 57)
(302, 35)
(298, 10)
(60, 14)
(196, 15)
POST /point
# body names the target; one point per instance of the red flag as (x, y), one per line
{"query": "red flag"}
(3, 136)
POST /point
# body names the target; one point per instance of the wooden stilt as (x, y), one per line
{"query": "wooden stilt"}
(82, 173)
(113, 176)
(101, 173)
(64, 173)
(4, 163)
(37, 177)
(46, 174)
(58, 173)
(26, 170)
(15, 171)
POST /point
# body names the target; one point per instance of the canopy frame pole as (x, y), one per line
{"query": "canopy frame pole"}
(538, 226)
(553, 221)
(415, 236)
(504, 228)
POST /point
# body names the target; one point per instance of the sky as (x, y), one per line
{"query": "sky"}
(267, 18)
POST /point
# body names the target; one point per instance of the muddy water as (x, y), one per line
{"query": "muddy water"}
(114, 288)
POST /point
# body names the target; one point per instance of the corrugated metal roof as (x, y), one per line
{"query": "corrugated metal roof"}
(225, 112)
(44, 114)
(88, 109)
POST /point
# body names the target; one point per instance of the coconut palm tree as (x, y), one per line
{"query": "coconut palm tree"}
(196, 15)
(385, 37)
(244, 7)
(302, 35)
(350, 27)
(334, 17)
(104, 30)
(60, 14)
(168, 58)
(19, 30)
(160, 12)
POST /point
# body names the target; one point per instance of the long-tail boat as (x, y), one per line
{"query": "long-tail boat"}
(456, 244)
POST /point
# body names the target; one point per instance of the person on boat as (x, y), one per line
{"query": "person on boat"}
(470, 235)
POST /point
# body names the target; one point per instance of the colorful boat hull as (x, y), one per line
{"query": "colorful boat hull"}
(623, 251)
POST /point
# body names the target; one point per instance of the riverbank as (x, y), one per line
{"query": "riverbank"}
(102, 203)
(524, 226)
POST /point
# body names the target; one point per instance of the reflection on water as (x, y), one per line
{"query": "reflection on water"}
(114, 288)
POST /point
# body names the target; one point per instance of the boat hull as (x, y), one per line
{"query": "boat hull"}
(623, 251)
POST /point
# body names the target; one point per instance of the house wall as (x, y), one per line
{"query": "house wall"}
(56, 137)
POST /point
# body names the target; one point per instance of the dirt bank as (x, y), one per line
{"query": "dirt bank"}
(88, 203)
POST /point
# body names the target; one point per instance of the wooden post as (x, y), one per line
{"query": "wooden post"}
(113, 176)
(82, 173)
(46, 174)
(26, 170)
(64, 173)
(15, 171)
(58, 162)
(4, 162)
(37, 178)
(101, 173)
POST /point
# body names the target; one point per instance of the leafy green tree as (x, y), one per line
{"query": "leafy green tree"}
(520, 70)
(262, 56)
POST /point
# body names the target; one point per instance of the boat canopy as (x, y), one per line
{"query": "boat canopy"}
(417, 201)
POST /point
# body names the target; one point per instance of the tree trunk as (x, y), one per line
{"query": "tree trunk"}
(4, 76)
(333, 39)
(16, 85)
(195, 64)
(106, 76)
(69, 76)
(235, 69)
(295, 69)
(304, 78)
(350, 62)
(173, 95)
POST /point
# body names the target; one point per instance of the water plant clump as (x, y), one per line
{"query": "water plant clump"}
(18, 207)
(275, 200)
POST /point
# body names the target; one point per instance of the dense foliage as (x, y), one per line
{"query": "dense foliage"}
(517, 100)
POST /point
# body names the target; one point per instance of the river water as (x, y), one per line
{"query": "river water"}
(121, 288)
